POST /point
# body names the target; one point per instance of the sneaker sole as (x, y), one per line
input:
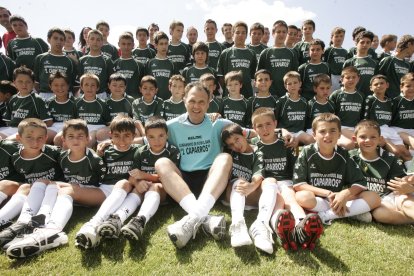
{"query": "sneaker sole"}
(107, 231)
(314, 230)
(174, 239)
(284, 228)
(219, 232)
(129, 234)
(82, 242)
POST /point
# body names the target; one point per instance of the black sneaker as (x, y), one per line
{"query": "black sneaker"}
(134, 228)
(308, 231)
(110, 228)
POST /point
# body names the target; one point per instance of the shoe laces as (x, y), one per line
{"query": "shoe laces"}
(190, 227)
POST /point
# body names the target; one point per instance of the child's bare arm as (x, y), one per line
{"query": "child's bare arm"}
(339, 200)
(402, 186)
(317, 191)
(141, 175)
(245, 187)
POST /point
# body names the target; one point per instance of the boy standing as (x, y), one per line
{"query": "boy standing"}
(291, 37)
(178, 52)
(68, 48)
(7, 66)
(302, 47)
(216, 104)
(388, 43)
(174, 106)
(235, 105)
(214, 47)
(143, 52)
(107, 49)
(200, 67)
(256, 34)
(335, 56)
(227, 31)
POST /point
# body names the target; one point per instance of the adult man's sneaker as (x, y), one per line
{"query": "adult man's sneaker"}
(134, 228)
(215, 226)
(364, 217)
(284, 226)
(87, 237)
(262, 236)
(183, 230)
(110, 228)
(239, 234)
(308, 231)
(5, 224)
(40, 240)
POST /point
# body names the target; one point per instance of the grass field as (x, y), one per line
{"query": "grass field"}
(347, 247)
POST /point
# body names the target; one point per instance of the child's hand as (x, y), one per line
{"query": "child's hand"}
(213, 116)
(244, 187)
(143, 186)
(290, 140)
(102, 146)
(137, 174)
(400, 186)
(338, 203)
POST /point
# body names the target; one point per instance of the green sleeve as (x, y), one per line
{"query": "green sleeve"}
(253, 65)
(300, 171)
(158, 108)
(175, 156)
(353, 174)
(36, 69)
(42, 110)
(367, 108)
(43, 45)
(261, 64)
(135, 111)
(301, 71)
(396, 169)
(137, 159)
(258, 164)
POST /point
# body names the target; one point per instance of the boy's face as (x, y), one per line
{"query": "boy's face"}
(210, 30)
(177, 32)
(69, 40)
(256, 36)
(367, 139)
(162, 46)
(407, 89)
(177, 89)
(24, 84)
(122, 140)
(89, 88)
(379, 86)
(142, 37)
(227, 32)
(292, 35)
(323, 90)
(375, 42)
(392, 45)
(104, 30)
(338, 39)
(19, 28)
(153, 30)
(326, 135)
(364, 44)
(263, 82)
(234, 87)
(60, 87)
(157, 139)
(266, 36)
(117, 88)
(192, 36)
(148, 91)
(126, 45)
(308, 30)
(315, 52)
(56, 41)
(95, 42)
(292, 85)
(76, 139)
(350, 80)
(33, 139)
(265, 128)
(279, 34)
(210, 85)
(240, 35)
(200, 57)
(237, 143)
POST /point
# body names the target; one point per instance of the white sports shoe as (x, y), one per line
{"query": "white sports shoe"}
(183, 230)
(364, 217)
(40, 240)
(87, 237)
(215, 226)
(262, 236)
(239, 234)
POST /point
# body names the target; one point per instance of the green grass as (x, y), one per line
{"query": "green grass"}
(347, 247)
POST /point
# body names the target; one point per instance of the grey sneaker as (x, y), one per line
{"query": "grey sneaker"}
(239, 234)
(18, 229)
(215, 226)
(183, 230)
(110, 228)
(134, 228)
(364, 217)
(262, 236)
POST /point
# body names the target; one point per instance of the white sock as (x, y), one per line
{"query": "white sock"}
(149, 205)
(110, 205)
(322, 204)
(204, 204)
(267, 202)
(62, 211)
(355, 207)
(408, 164)
(3, 197)
(12, 208)
(48, 201)
(237, 203)
(297, 213)
(33, 202)
(128, 207)
(188, 202)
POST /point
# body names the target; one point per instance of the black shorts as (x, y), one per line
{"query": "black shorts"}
(195, 180)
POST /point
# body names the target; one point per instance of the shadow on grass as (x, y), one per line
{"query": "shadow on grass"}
(395, 230)
(248, 255)
(113, 249)
(328, 259)
(91, 258)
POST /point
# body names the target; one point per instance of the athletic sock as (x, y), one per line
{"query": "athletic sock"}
(48, 201)
(3, 197)
(188, 202)
(33, 202)
(149, 205)
(110, 205)
(128, 206)
(322, 204)
(237, 203)
(62, 211)
(355, 207)
(12, 208)
(297, 213)
(267, 202)
(204, 204)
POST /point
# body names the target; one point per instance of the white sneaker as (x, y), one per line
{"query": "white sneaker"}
(183, 230)
(215, 226)
(239, 234)
(87, 237)
(364, 217)
(40, 240)
(262, 236)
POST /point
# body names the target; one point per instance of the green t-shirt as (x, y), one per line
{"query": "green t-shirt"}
(239, 59)
(171, 110)
(20, 108)
(302, 50)
(110, 51)
(7, 170)
(162, 70)
(348, 106)
(247, 165)
(94, 112)
(89, 170)
(335, 57)
(394, 69)
(24, 50)
(377, 110)
(235, 110)
(61, 111)
(402, 112)
(101, 65)
(75, 52)
(308, 72)
(215, 106)
(255, 102)
(47, 64)
(133, 71)
(379, 171)
(122, 106)
(334, 174)
(142, 111)
(214, 51)
(315, 108)
(258, 49)
(145, 159)
(45, 165)
(179, 55)
(118, 163)
(371, 53)
(193, 73)
(278, 61)
(367, 68)
(6, 68)
(383, 55)
(290, 114)
(143, 55)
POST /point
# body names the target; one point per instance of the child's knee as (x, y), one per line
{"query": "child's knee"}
(124, 184)
(156, 187)
(372, 198)
(304, 197)
(163, 165)
(407, 206)
(24, 189)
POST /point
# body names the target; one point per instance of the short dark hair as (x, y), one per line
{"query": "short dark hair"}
(7, 87)
(117, 77)
(387, 38)
(141, 29)
(262, 71)
(403, 42)
(317, 41)
(160, 35)
(69, 31)
(122, 123)
(58, 75)
(309, 22)
(102, 23)
(367, 124)
(376, 77)
(76, 124)
(149, 79)
(156, 122)
(234, 76)
(16, 17)
(55, 30)
(365, 34)
(211, 21)
(198, 85)
(321, 78)
(23, 70)
(240, 24)
(230, 130)
(280, 23)
(31, 122)
(328, 118)
(126, 35)
(356, 31)
(257, 26)
(200, 46)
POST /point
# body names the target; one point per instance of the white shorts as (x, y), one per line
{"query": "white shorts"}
(8, 131)
(105, 188)
(390, 198)
(45, 95)
(102, 95)
(336, 82)
(390, 134)
(284, 184)
(348, 128)
(296, 134)
(309, 131)
(92, 128)
(410, 131)
(56, 127)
